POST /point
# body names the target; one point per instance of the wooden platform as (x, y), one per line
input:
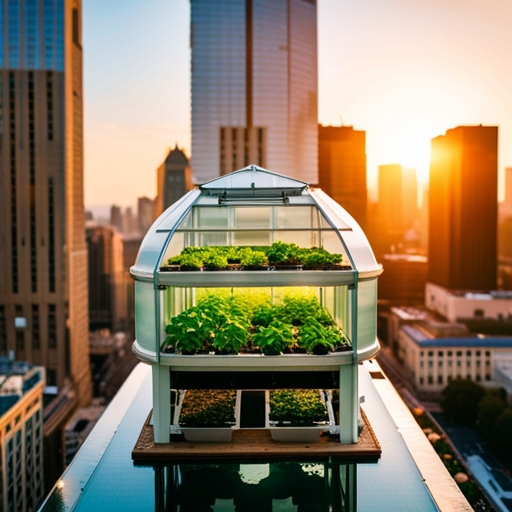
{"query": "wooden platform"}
(256, 444)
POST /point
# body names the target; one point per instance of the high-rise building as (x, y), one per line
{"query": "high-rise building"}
(463, 208)
(43, 256)
(107, 293)
(409, 198)
(116, 218)
(174, 180)
(254, 87)
(342, 168)
(145, 213)
(21, 435)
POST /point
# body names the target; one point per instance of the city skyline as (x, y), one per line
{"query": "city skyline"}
(384, 68)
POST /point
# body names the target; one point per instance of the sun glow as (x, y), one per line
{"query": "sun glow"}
(413, 151)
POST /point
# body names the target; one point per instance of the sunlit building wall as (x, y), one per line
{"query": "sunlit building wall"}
(254, 87)
(21, 436)
(464, 208)
(43, 254)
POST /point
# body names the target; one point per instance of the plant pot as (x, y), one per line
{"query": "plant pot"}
(187, 268)
(320, 350)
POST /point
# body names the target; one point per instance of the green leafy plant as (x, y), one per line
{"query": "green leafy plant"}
(192, 261)
(208, 408)
(231, 338)
(254, 258)
(188, 331)
(319, 339)
(281, 253)
(216, 260)
(275, 338)
(297, 407)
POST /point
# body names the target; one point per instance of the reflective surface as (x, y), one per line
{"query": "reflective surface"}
(104, 477)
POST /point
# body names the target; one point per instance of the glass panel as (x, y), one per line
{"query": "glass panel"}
(296, 217)
(211, 218)
(252, 218)
(367, 314)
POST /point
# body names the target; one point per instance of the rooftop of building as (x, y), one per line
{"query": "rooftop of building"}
(408, 476)
(426, 340)
(478, 294)
(176, 156)
(16, 379)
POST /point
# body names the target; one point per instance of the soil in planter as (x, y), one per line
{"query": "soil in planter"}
(252, 411)
(257, 267)
(187, 268)
(288, 267)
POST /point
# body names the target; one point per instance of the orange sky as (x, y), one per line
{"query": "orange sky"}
(403, 70)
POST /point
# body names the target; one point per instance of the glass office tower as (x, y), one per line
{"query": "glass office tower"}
(43, 254)
(254, 87)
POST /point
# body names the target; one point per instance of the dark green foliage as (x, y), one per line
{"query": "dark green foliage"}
(317, 338)
(275, 338)
(460, 401)
(299, 407)
(224, 323)
(208, 408)
(489, 408)
(503, 432)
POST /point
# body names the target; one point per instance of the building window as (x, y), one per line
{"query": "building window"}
(32, 172)
(450, 363)
(421, 364)
(440, 353)
(430, 379)
(440, 363)
(468, 363)
(478, 362)
(234, 149)
(51, 236)
(12, 159)
(49, 104)
(487, 377)
(52, 326)
(422, 353)
(430, 354)
(439, 379)
(260, 147)
(421, 380)
(468, 353)
(478, 353)
(478, 378)
(36, 342)
(487, 353)
(450, 353)
(76, 27)
(3, 330)
(478, 313)
(430, 364)
(459, 354)
(459, 364)
(51, 377)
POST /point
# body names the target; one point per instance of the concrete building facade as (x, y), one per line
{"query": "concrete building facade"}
(43, 258)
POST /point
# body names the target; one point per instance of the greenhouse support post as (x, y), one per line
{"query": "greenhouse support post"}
(161, 402)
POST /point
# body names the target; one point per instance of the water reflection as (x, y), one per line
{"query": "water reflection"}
(272, 487)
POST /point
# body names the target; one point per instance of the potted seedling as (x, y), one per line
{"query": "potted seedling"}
(254, 260)
(173, 264)
(297, 415)
(208, 415)
(188, 332)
